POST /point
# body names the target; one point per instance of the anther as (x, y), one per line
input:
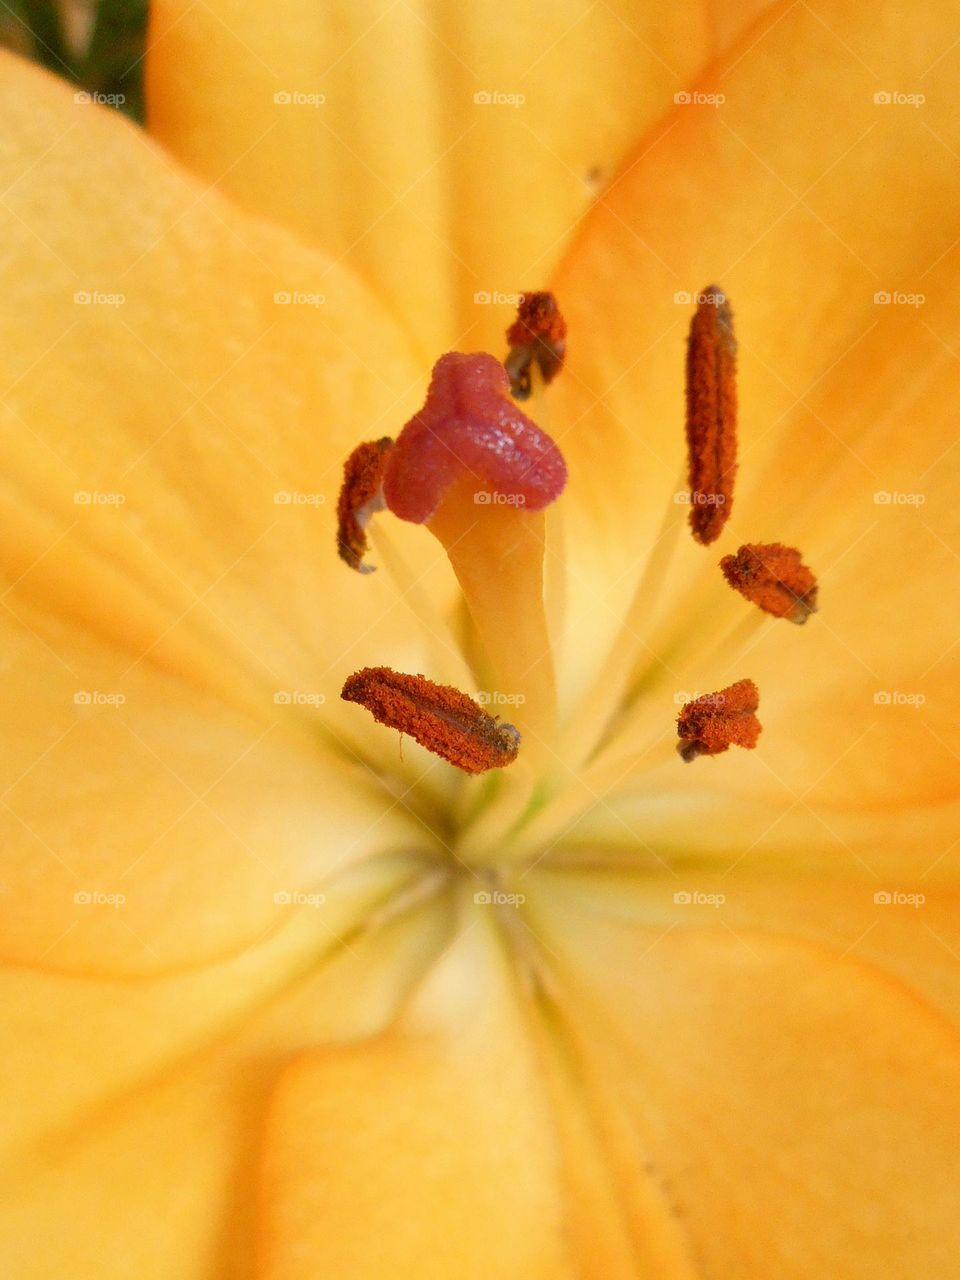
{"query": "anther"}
(361, 496)
(711, 414)
(537, 336)
(774, 578)
(438, 716)
(712, 723)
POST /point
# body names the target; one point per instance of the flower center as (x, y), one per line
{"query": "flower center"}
(481, 476)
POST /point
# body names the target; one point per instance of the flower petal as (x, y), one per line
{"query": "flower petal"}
(400, 1157)
(801, 1110)
(146, 825)
(173, 437)
(134, 1109)
(839, 397)
(419, 166)
(457, 1144)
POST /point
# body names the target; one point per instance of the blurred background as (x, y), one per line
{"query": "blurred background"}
(98, 45)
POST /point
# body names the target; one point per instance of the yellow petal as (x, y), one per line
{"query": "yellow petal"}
(800, 1109)
(429, 192)
(147, 826)
(172, 446)
(134, 1109)
(148, 426)
(457, 1144)
(840, 397)
(426, 1153)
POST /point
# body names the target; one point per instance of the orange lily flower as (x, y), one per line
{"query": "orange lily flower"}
(281, 1000)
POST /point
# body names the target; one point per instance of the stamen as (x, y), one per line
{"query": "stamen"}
(711, 414)
(469, 426)
(712, 723)
(774, 578)
(361, 496)
(539, 334)
(438, 716)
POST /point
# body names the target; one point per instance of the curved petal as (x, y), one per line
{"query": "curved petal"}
(147, 826)
(173, 436)
(136, 1108)
(443, 151)
(840, 397)
(155, 406)
(434, 1150)
(799, 1109)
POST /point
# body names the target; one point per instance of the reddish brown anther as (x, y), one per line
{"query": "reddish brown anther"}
(438, 716)
(712, 723)
(711, 414)
(774, 578)
(360, 497)
(538, 335)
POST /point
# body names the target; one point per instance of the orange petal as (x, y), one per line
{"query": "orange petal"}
(134, 1110)
(147, 826)
(392, 169)
(400, 1157)
(172, 446)
(801, 1110)
(795, 225)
